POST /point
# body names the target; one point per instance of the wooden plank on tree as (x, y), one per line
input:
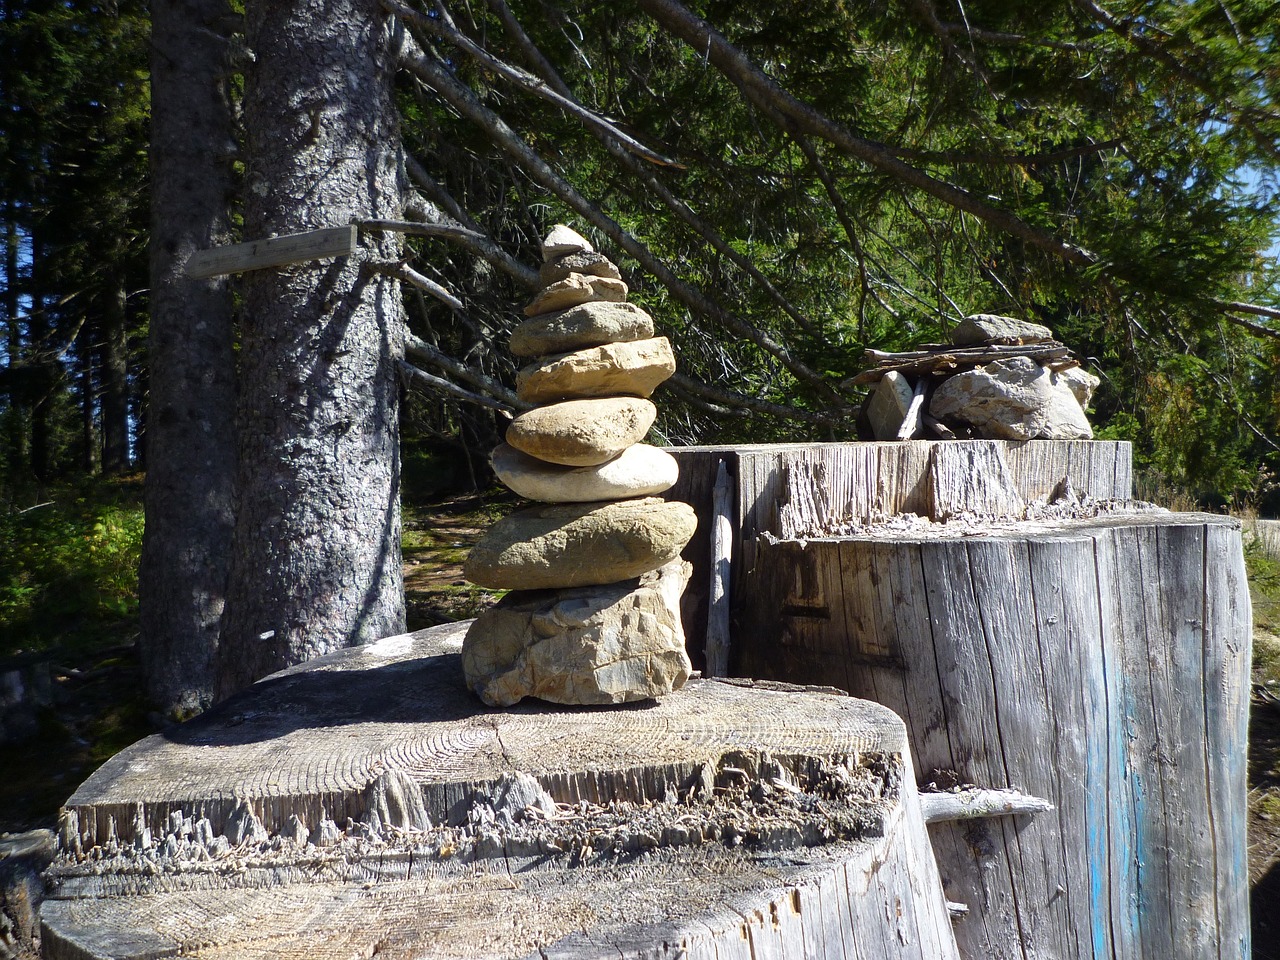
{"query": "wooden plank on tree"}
(293, 248)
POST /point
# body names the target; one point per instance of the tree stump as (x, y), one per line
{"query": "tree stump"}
(365, 804)
(1099, 663)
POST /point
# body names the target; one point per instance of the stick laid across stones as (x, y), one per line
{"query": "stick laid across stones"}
(594, 568)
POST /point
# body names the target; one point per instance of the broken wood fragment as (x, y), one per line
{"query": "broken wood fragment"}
(974, 803)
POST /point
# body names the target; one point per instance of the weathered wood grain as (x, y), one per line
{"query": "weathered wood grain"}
(1100, 664)
(273, 252)
(656, 832)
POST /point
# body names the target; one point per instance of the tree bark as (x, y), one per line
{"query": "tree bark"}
(115, 380)
(190, 427)
(316, 551)
(88, 414)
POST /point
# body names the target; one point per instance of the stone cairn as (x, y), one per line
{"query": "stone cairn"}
(999, 379)
(594, 570)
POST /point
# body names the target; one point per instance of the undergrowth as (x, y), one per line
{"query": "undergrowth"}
(69, 567)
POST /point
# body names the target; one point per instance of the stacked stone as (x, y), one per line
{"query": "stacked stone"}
(594, 569)
(968, 389)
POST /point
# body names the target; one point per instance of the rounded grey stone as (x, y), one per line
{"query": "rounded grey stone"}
(588, 325)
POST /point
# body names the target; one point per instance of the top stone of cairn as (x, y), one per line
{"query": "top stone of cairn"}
(564, 240)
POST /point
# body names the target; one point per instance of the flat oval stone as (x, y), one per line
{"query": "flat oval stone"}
(577, 545)
(584, 261)
(588, 325)
(582, 433)
(575, 289)
(639, 471)
(616, 369)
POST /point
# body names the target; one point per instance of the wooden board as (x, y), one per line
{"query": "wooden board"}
(1101, 664)
(710, 820)
(273, 252)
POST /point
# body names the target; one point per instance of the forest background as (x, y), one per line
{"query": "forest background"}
(782, 192)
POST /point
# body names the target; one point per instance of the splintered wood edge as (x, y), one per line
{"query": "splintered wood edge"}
(314, 741)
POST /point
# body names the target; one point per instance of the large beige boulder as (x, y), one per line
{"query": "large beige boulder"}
(588, 645)
(576, 545)
(588, 325)
(574, 290)
(1013, 399)
(585, 262)
(1080, 382)
(582, 433)
(615, 369)
(639, 471)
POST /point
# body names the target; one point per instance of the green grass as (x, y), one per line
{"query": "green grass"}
(69, 568)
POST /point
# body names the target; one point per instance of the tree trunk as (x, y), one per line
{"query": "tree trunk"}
(316, 554)
(729, 819)
(15, 434)
(88, 412)
(115, 380)
(190, 432)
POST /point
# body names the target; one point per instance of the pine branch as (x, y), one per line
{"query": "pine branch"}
(465, 101)
(440, 385)
(1124, 29)
(419, 348)
(767, 94)
(445, 29)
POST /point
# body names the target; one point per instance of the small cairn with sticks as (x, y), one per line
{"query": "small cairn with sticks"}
(594, 569)
(1000, 378)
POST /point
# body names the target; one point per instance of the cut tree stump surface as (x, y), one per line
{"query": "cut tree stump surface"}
(726, 820)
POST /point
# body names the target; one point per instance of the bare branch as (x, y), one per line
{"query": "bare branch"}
(419, 348)
(533, 56)
(763, 91)
(727, 401)
(482, 245)
(664, 193)
(440, 385)
(464, 100)
(406, 273)
(444, 28)
(446, 230)
(1254, 308)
